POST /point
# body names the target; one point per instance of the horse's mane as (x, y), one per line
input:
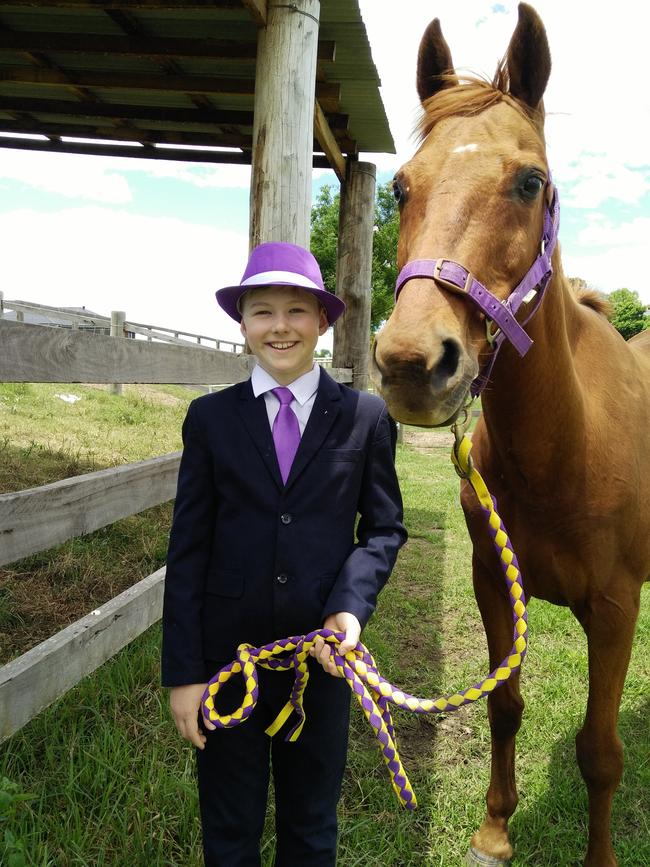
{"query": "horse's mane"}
(472, 95)
(589, 297)
(592, 298)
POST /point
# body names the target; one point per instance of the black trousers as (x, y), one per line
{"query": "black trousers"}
(234, 771)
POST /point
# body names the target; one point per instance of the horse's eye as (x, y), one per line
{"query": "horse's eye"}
(532, 186)
(398, 192)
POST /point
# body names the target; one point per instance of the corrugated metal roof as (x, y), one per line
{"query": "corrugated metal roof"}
(150, 72)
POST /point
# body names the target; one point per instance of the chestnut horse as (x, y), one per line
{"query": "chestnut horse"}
(564, 437)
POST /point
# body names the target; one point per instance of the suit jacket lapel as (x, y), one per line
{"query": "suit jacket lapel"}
(256, 421)
(325, 410)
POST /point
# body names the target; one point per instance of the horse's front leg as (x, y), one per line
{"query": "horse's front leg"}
(490, 844)
(609, 619)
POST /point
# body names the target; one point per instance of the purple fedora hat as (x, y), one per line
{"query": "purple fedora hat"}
(280, 264)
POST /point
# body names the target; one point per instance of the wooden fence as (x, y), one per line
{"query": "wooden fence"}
(76, 319)
(35, 519)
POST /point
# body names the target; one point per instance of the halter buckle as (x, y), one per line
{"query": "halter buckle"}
(438, 278)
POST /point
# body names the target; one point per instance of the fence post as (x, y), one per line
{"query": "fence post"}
(354, 271)
(2, 304)
(118, 318)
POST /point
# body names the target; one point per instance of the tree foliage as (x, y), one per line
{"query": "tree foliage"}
(628, 312)
(324, 236)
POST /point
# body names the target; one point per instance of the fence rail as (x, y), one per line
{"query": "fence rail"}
(31, 353)
(38, 518)
(151, 332)
(46, 672)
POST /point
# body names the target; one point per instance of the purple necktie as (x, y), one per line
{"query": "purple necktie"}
(286, 432)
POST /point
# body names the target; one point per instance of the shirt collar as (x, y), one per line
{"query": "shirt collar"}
(302, 388)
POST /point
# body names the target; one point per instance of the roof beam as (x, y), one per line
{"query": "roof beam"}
(326, 93)
(326, 139)
(258, 10)
(211, 138)
(188, 156)
(209, 117)
(117, 112)
(141, 46)
(133, 5)
(134, 150)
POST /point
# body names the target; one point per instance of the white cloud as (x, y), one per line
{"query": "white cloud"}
(595, 178)
(160, 271)
(202, 174)
(76, 177)
(106, 179)
(612, 256)
(601, 232)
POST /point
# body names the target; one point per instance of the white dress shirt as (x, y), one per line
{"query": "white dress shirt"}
(303, 389)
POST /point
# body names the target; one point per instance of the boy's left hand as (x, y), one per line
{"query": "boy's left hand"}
(341, 622)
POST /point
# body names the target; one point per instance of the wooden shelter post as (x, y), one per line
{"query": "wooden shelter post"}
(354, 270)
(283, 125)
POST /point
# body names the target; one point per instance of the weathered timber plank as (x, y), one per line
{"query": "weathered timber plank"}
(138, 45)
(32, 353)
(38, 518)
(326, 139)
(34, 680)
(258, 10)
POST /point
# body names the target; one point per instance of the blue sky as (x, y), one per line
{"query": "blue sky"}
(156, 238)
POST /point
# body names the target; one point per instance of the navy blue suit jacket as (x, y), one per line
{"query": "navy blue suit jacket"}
(251, 559)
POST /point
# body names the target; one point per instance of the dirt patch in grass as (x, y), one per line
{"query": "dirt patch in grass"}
(426, 440)
(416, 740)
(148, 392)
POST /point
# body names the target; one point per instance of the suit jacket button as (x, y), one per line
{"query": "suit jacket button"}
(286, 518)
(281, 578)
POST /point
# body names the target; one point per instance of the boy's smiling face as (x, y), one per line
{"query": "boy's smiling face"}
(282, 325)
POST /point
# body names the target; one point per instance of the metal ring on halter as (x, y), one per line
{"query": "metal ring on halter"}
(490, 335)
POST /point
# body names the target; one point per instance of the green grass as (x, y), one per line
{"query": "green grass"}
(110, 783)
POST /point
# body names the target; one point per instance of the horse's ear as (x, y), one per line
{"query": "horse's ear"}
(434, 60)
(528, 58)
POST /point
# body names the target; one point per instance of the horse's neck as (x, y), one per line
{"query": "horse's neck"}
(533, 405)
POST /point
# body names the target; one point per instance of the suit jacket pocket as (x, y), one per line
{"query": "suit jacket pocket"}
(328, 455)
(224, 582)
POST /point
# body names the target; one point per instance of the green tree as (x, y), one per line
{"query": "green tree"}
(628, 312)
(324, 236)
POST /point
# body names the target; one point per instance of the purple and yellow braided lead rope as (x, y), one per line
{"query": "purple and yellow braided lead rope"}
(357, 666)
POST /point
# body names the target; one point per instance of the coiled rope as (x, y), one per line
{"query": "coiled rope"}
(357, 666)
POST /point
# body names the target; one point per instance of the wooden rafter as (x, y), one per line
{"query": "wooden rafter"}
(133, 5)
(326, 93)
(133, 150)
(141, 46)
(258, 10)
(326, 139)
(114, 112)
(213, 138)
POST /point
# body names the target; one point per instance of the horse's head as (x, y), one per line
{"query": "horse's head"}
(474, 193)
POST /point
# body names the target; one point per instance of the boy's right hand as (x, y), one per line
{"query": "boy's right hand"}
(185, 703)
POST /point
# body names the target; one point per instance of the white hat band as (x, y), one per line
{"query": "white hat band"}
(267, 278)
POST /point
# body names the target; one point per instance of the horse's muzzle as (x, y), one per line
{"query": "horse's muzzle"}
(417, 389)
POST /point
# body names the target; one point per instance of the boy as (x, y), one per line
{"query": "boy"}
(273, 474)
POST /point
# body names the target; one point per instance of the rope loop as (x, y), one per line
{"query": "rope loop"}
(358, 667)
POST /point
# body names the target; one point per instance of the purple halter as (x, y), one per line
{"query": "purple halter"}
(458, 279)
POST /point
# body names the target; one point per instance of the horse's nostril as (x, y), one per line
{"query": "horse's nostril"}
(448, 363)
